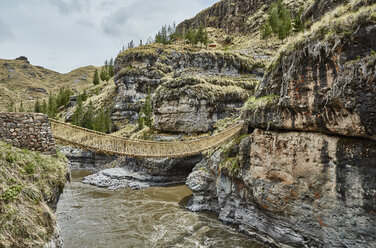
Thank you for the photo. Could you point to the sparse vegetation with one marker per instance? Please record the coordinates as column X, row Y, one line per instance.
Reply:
column 145, row 116
column 26, row 179
column 166, row 35
column 96, row 80
column 86, row 117
column 279, row 20
column 254, row 103
column 55, row 102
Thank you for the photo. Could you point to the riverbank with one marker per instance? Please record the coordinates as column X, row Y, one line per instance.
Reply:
column 155, row 217
column 30, row 187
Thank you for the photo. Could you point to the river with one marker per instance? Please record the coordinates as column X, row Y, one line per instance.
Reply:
column 154, row 217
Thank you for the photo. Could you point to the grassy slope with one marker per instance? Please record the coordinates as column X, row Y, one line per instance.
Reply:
column 16, row 76
column 26, row 180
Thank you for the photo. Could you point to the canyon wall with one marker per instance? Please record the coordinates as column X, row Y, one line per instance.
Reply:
column 304, row 175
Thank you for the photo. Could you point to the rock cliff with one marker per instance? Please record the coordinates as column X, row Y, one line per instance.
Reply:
column 304, row 175
column 235, row 16
column 191, row 88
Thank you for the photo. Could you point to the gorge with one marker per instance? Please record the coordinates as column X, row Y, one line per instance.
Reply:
column 300, row 173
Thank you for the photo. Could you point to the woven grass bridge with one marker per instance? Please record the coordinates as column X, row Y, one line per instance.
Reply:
column 114, row 145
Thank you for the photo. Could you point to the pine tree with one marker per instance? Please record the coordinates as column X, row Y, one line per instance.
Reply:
column 78, row 113
column 266, row 31
column 37, row 107
column 52, row 107
column 280, row 20
column 44, row 108
column 145, row 115
column 96, row 77
column 88, row 117
column 298, row 25
column 104, row 74
column 205, row 38
column 131, row 44
column 111, row 71
column 200, row 34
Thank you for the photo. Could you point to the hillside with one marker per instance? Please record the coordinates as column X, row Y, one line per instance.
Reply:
column 21, row 81
column 30, row 185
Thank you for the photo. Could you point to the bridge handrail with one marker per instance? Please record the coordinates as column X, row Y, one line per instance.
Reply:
column 111, row 144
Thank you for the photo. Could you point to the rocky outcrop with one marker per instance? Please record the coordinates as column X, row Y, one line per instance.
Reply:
column 235, row 16
column 305, row 175
column 229, row 15
column 194, row 104
column 325, row 86
column 143, row 173
column 57, row 240
column 298, row 189
column 79, row 159
column 179, row 75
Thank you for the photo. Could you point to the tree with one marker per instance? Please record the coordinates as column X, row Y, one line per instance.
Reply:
column 96, row 77
column 279, row 20
column 191, row 36
column 44, row 108
column 298, row 25
column 37, row 107
column 205, row 39
column 200, row 34
column 266, row 31
column 88, row 117
column 104, row 74
column 145, row 116
column 131, row 44
column 78, row 113
column 52, row 107
column 111, row 71
column 102, row 121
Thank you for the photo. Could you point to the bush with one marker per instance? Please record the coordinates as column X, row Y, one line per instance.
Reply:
column 145, row 116
column 30, row 168
column 11, row 193
column 10, row 158
column 228, row 40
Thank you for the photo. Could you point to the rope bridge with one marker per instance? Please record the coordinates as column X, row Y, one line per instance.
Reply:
column 115, row 145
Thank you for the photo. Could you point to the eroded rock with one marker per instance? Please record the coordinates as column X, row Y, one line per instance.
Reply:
column 299, row 189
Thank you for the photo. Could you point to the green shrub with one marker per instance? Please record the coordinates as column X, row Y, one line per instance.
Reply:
column 11, row 158
column 11, row 193
column 228, row 40
column 30, row 168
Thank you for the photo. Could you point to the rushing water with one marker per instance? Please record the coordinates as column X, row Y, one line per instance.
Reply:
column 94, row 217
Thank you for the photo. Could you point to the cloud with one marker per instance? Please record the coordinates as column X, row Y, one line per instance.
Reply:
column 65, row 34
column 68, row 7
column 145, row 17
column 5, row 33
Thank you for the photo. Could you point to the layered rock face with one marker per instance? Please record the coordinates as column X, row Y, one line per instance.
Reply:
column 229, row 15
column 194, row 104
column 305, row 176
column 324, row 86
column 237, row 16
column 191, row 89
column 143, row 173
column 298, row 189
column 80, row 159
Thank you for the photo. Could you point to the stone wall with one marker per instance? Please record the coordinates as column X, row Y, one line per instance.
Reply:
column 25, row 130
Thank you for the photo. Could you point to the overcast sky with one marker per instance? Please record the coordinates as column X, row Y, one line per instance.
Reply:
column 66, row 34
